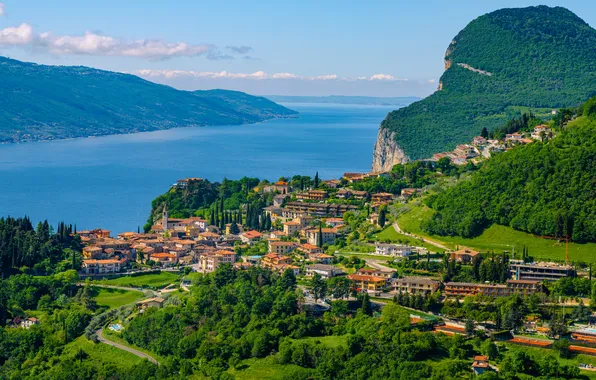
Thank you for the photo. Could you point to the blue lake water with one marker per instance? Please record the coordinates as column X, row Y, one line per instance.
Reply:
column 110, row 181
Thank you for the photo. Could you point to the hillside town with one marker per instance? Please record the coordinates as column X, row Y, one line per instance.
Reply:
column 483, row 148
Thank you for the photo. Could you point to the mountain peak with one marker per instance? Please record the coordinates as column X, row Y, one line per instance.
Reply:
column 535, row 57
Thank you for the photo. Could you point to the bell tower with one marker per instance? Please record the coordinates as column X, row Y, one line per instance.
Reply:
column 164, row 218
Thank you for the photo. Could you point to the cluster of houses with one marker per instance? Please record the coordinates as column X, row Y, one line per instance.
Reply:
column 482, row 147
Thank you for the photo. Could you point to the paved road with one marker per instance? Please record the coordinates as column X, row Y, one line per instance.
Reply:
column 138, row 353
column 376, row 264
column 431, row 242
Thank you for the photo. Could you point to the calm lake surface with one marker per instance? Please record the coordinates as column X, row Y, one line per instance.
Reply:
column 110, row 181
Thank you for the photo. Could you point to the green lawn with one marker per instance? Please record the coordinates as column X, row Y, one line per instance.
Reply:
column 263, row 369
column 498, row 238
column 330, row 341
column 366, row 256
column 389, row 234
column 155, row 280
column 114, row 298
column 99, row 352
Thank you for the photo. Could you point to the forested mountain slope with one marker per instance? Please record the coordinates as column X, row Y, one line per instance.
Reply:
column 545, row 189
column 536, row 57
column 40, row 102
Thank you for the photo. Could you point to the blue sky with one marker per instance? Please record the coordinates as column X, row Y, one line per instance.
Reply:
column 382, row 48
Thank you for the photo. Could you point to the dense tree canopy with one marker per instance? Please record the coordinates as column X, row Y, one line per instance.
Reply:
column 544, row 189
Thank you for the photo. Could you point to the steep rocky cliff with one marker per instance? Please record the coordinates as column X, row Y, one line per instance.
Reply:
column 387, row 153
column 526, row 58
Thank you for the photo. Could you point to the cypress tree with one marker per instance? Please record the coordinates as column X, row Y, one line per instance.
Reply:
column 320, row 237
column 316, row 182
column 240, row 216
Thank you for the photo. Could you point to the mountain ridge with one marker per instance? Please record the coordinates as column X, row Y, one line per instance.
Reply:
column 537, row 57
column 41, row 102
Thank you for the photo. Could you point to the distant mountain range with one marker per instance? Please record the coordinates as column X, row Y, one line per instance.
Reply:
column 338, row 99
column 502, row 63
column 40, row 102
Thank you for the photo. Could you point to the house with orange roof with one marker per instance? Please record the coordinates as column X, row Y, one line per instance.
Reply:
column 273, row 259
column 362, row 282
column 250, row 237
column 309, row 249
column 382, row 197
column 291, row 228
column 464, row 255
column 164, row 258
column 282, row 247
column 334, row 222
column 480, row 365
column 320, row 258
column 209, row 236
column 328, row 235
column 92, row 252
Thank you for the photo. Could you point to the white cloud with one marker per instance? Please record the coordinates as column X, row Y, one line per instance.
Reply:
column 284, row 76
column 432, row 81
column 327, row 77
column 169, row 74
column 96, row 44
column 227, row 75
column 19, row 35
column 1, row 9
column 100, row 45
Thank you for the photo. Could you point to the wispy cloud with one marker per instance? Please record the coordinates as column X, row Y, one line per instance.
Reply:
column 239, row 49
column 91, row 43
column 171, row 74
column 98, row 44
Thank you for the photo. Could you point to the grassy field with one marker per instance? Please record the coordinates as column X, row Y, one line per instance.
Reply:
column 114, row 298
column 389, row 234
column 366, row 256
column 330, row 341
column 499, row 238
column 263, row 369
column 99, row 352
column 155, row 280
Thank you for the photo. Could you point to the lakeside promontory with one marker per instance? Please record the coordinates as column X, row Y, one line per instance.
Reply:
column 39, row 102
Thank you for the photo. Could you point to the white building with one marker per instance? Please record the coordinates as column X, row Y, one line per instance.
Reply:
column 393, row 250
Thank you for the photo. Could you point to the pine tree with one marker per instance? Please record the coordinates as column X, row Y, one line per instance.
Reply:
column 484, row 132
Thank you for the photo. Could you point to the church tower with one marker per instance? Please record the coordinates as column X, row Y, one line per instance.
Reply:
column 164, row 218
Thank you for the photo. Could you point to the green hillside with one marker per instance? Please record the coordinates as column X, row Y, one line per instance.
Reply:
column 544, row 189
column 537, row 57
column 40, row 102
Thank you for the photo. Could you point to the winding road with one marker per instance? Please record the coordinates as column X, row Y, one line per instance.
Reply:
column 428, row 241
column 138, row 353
